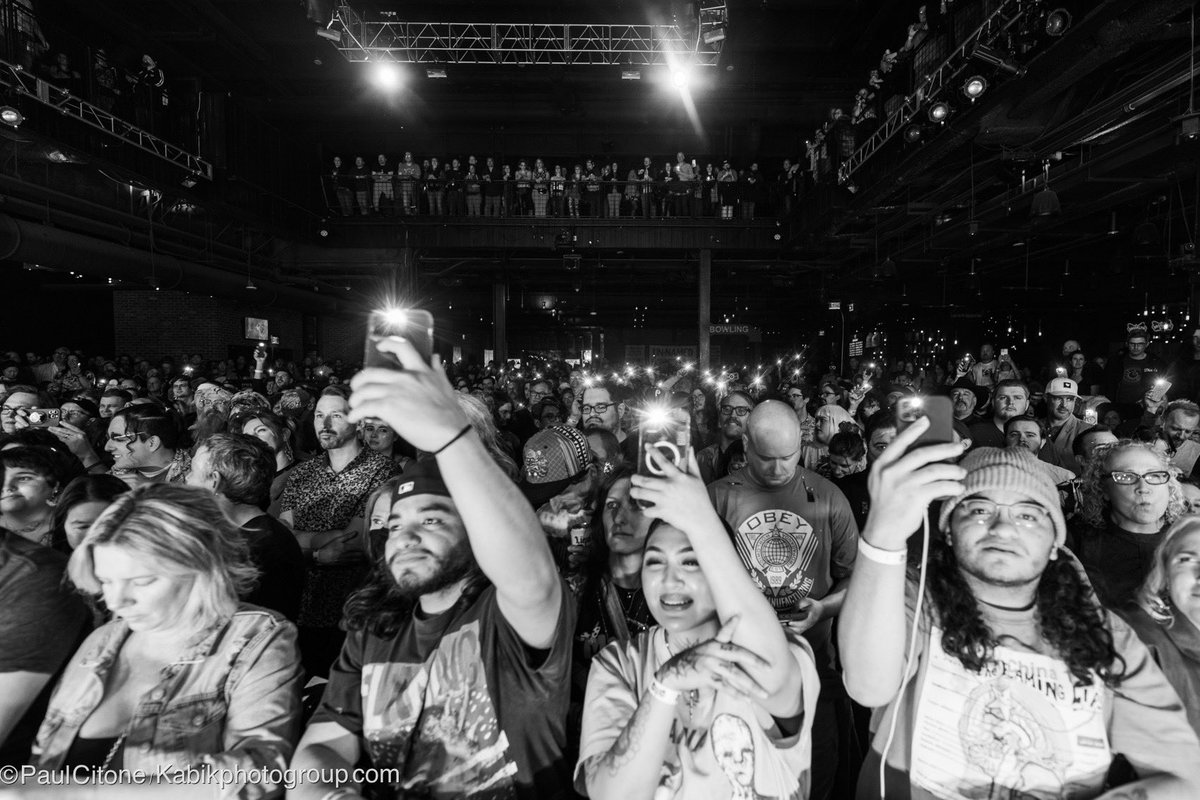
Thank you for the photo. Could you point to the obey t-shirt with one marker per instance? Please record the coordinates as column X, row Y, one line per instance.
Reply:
column 796, row 540
column 459, row 704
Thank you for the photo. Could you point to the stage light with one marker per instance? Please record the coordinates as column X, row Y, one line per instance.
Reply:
column 330, row 34
column 913, row 134
column 940, row 111
column 11, row 116
column 631, row 74
column 714, row 36
column 974, row 87
column 386, row 76
column 1057, row 22
column 435, row 72
column 681, row 77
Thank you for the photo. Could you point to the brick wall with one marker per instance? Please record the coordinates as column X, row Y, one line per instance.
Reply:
column 157, row 323
column 342, row 338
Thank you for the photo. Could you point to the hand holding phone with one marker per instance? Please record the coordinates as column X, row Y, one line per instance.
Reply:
column 1158, row 391
column 939, row 410
column 411, row 324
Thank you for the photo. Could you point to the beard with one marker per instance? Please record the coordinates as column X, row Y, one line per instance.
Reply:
column 336, row 441
column 456, row 564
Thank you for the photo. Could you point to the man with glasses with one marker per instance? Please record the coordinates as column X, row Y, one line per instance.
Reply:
column 732, row 415
column 1133, row 373
column 144, row 442
column 1008, row 637
column 1180, row 421
column 524, row 423
column 796, row 536
column 600, row 409
column 14, row 413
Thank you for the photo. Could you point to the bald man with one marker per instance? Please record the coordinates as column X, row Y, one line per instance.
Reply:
column 797, row 537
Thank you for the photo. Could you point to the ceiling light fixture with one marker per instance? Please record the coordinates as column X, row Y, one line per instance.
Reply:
column 940, row 111
column 974, row 87
column 998, row 60
column 1057, row 22
column 330, row 34
column 913, row 134
column 631, row 74
column 435, row 72
column 1045, row 202
column 11, row 116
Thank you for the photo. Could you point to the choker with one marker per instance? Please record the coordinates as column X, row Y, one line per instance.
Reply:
column 1029, row 607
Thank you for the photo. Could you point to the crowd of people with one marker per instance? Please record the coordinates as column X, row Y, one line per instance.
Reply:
column 550, row 581
column 565, row 188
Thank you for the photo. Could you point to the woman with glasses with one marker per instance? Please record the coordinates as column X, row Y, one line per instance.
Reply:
column 1128, row 496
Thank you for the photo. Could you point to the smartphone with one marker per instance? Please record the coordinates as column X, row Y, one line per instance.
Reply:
column 941, row 418
column 1090, row 416
column 413, row 324
column 43, row 417
column 1004, row 353
column 1060, row 372
column 1160, row 389
column 668, row 430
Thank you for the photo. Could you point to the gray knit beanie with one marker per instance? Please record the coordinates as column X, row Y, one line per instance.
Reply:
column 1015, row 469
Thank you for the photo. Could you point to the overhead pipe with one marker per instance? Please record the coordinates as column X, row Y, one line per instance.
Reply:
column 40, row 244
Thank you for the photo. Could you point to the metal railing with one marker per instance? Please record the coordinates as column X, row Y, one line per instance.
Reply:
column 36, row 89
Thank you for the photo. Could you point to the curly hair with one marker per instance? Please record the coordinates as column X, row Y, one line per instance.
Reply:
column 1070, row 618
column 382, row 609
column 1093, row 499
column 1154, row 595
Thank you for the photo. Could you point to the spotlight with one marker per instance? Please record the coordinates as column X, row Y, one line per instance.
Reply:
column 631, row 74
column 188, row 182
column 681, row 77
column 323, row 229
column 1057, row 22
column 11, row 116
column 435, row 72
column 250, row 287
column 714, row 36
column 386, row 76
column 974, row 87
column 913, row 134
column 940, row 111
column 1000, row 61
column 330, row 34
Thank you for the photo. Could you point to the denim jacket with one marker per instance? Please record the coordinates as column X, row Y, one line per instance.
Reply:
column 231, row 702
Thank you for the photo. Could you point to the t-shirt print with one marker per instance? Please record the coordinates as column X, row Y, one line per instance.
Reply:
column 778, row 546
column 1020, row 728
column 437, row 721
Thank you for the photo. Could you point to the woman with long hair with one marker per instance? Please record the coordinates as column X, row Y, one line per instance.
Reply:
column 79, row 504
column 183, row 677
column 276, row 433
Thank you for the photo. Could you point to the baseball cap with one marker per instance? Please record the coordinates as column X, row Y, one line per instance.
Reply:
column 1063, row 387
column 555, row 457
column 424, row 477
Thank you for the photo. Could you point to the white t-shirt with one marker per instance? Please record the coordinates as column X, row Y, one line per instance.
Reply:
column 722, row 748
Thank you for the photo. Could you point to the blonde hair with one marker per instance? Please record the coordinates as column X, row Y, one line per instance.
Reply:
column 1154, row 595
column 485, row 426
column 1093, row 499
column 183, row 530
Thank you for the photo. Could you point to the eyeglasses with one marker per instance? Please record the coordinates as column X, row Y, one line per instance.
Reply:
column 124, row 438
column 1155, row 478
column 828, row 393
column 737, row 411
column 599, row 408
column 980, row 511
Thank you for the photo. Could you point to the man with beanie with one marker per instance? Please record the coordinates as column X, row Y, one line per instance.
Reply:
column 455, row 672
column 1016, row 682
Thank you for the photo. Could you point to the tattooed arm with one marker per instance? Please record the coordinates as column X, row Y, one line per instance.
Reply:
column 631, row 768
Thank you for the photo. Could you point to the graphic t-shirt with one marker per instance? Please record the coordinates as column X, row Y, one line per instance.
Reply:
column 1021, row 727
column 1132, row 378
column 721, row 747
column 459, row 704
column 796, row 540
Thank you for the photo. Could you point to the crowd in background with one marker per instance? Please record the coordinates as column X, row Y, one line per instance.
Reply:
column 480, row 576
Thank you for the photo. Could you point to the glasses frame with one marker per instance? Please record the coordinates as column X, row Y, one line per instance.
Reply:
column 1139, row 477
column 1048, row 519
column 598, row 408
column 741, row 412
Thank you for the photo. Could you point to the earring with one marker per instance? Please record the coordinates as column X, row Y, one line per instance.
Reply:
column 1054, row 554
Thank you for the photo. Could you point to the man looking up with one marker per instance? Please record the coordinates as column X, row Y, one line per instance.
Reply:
column 732, row 415
column 1009, row 399
column 456, row 669
column 796, row 536
column 324, row 503
column 1009, row 635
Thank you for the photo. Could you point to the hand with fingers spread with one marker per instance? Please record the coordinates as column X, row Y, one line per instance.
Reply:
column 904, row 483
column 716, row 664
column 76, row 441
column 417, row 401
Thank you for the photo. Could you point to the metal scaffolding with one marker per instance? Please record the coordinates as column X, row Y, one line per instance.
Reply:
column 1006, row 15
column 26, row 84
column 387, row 39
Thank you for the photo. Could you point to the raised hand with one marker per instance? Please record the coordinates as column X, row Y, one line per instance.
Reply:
column 716, row 664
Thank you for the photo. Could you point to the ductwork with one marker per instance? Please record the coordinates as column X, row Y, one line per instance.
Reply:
column 23, row 241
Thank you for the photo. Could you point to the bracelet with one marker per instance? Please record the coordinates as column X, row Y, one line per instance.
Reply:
column 662, row 693
column 889, row 558
column 466, row 429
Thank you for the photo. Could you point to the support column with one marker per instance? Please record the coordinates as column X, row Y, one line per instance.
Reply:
column 404, row 277
column 500, row 321
column 705, row 309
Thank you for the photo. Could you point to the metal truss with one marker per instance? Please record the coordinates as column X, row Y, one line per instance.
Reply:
column 387, row 39
column 26, row 84
column 1006, row 15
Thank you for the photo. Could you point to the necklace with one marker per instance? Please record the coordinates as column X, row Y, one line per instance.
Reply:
column 1029, row 607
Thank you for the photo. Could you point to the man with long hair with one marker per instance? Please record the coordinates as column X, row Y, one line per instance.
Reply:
column 455, row 671
column 1015, row 681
